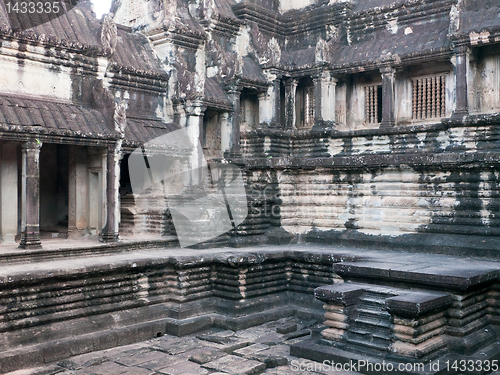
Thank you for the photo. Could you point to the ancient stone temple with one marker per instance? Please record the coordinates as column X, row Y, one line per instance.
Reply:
column 359, row 129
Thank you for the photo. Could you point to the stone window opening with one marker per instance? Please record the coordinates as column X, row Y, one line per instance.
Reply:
column 429, row 97
column 211, row 136
column 249, row 110
column 373, row 104
column 305, row 103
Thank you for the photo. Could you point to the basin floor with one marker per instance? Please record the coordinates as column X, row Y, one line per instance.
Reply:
column 257, row 350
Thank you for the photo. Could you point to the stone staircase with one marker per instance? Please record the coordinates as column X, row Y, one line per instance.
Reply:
column 374, row 323
column 370, row 327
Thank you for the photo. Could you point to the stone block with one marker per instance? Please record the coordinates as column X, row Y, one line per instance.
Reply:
column 416, row 304
column 108, row 368
column 235, row 365
column 271, row 360
column 183, row 368
column 292, row 327
column 140, row 358
column 204, row 355
column 249, row 350
column 339, row 293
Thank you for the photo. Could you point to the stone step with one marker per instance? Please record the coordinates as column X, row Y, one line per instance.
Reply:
column 377, row 345
column 361, row 322
column 371, row 314
column 363, row 333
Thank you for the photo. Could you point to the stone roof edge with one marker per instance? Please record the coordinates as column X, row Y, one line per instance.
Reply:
column 33, row 38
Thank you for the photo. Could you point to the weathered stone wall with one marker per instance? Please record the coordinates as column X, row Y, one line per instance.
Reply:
column 380, row 183
column 99, row 303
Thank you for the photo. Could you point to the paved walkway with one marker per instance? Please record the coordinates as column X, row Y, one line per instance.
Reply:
column 258, row 350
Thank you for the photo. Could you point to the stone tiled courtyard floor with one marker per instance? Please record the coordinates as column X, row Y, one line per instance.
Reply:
column 262, row 349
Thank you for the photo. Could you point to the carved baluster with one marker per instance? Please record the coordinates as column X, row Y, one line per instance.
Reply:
column 424, row 98
column 375, row 103
column 414, row 102
column 374, row 113
column 367, row 103
column 419, row 98
column 438, row 97
column 443, row 96
column 429, row 100
column 433, row 114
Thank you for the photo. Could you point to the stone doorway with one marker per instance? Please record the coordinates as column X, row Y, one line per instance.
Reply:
column 54, row 192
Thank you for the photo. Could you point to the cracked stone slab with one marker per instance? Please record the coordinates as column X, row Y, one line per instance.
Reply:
column 162, row 362
column 137, row 371
column 141, row 358
column 249, row 350
column 295, row 335
column 184, row 368
column 180, row 346
column 235, row 365
column 234, row 344
column 287, row 328
column 286, row 370
column 107, row 368
column 204, row 355
column 49, row 370
column 270, row 360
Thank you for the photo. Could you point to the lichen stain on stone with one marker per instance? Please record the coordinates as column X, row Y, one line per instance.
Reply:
column 476, row 38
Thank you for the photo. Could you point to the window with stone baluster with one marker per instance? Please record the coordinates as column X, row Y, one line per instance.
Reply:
column 373, row 104
column 305, row 104
column 429, row 97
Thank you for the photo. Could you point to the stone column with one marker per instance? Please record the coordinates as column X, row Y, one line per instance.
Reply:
column 324, row 92
column 328, row 99
column 194, row 132
column 77, row 191
column 318, row 100
column 225, row 128
column 30, row 197
column 276, row 121
column 8, row 191
column 235, row 95
column 266, row 109
column 290, row 91
column 110, row 230
column 388, row 75
column 461, row 90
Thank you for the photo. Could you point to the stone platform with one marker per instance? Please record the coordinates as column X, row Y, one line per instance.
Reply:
column 99, row 298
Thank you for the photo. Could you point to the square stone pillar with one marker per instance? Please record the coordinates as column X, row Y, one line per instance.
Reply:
column 461, row 90
column 276, row 120
column 235, row 97
column 8, row 192
column 324, row 99
column 194, row 132
column 388, row 76
column 77, row 191
column 266, row 109
column 270, row 101
column 225, row 132
column 110, row 230
column 30, row 196
column 290, row 92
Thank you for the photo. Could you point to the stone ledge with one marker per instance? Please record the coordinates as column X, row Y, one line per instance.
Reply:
column 312, row 350
column 415, row 304
column 448, row 277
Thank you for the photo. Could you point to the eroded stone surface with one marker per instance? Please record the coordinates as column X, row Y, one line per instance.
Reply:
column 146, row 358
